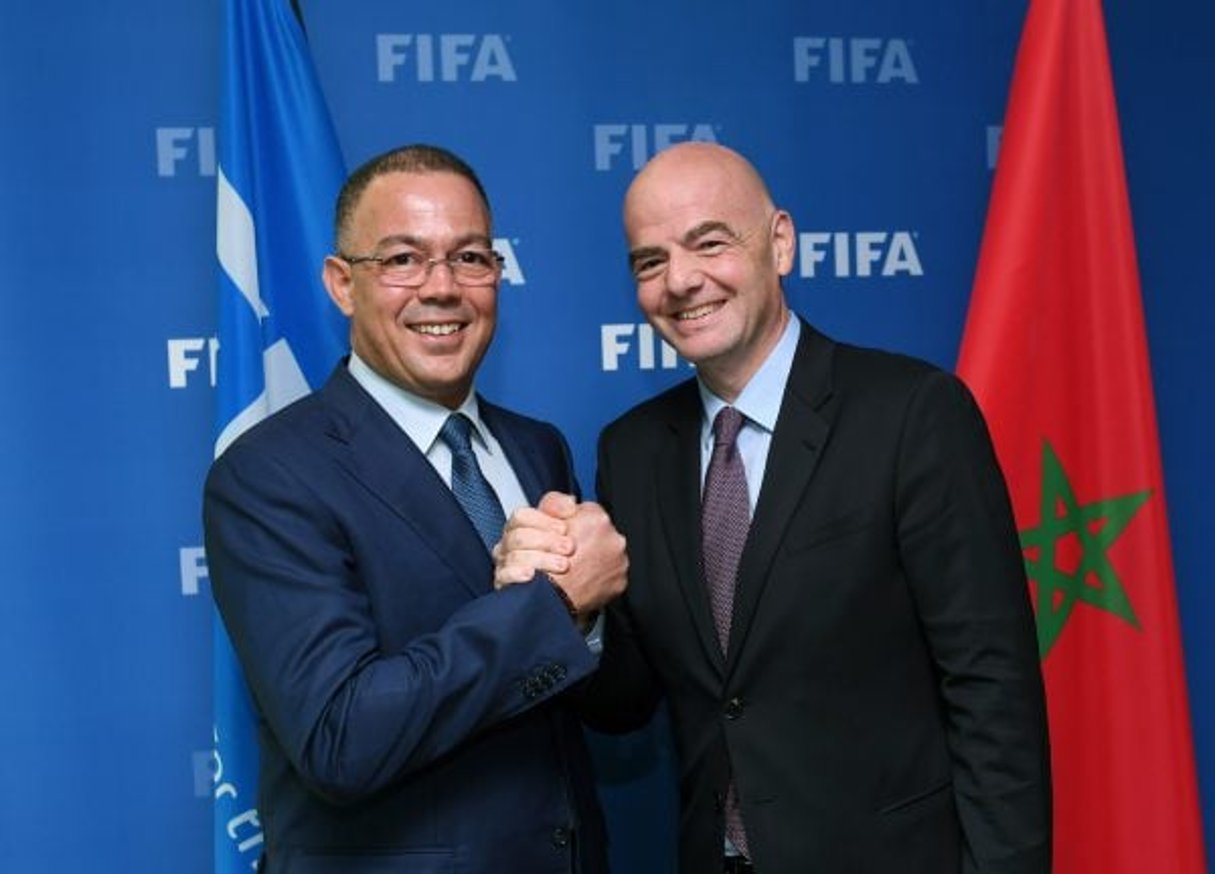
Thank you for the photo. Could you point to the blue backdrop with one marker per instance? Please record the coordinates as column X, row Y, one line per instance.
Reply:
column 876, row 123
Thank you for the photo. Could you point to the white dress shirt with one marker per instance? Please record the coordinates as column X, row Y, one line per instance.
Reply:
column 421, row 420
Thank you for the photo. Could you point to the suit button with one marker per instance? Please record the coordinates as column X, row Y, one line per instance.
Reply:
column 733, row 708
column 561, row 837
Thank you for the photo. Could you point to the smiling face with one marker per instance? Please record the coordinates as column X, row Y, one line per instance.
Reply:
column 708, row 250
column 428, row 340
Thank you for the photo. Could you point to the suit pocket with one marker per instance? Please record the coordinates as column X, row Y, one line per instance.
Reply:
column 852, row 521
column 919, row 833
column 926, row 798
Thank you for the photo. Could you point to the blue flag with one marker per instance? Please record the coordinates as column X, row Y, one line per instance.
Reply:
column 280, row 169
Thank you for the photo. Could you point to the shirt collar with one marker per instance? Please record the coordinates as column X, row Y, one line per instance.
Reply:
column 419, row 418
column 761, row 397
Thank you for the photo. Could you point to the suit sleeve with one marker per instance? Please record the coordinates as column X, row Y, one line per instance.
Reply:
column 624, row 693
column 351, row 716
column 959, row 546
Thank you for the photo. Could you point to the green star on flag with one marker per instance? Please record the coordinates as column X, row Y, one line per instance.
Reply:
column 1067, row 554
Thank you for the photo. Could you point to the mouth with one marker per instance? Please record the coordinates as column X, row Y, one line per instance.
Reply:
column 437, row 329
column 700, row 312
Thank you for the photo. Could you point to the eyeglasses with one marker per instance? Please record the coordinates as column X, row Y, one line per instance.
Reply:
column 411, row 269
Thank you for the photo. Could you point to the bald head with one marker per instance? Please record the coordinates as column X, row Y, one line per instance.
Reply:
column 695, row 173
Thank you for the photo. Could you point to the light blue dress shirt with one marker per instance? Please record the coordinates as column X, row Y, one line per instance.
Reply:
column 759, row 402
column 422, row 420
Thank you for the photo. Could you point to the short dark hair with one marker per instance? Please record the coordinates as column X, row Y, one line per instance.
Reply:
column 414, row 158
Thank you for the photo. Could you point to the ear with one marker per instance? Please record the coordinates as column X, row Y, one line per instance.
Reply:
column 784, row 241
column 339, row 282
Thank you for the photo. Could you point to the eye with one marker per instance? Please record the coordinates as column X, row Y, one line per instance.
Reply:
column 474, row 258
column 648, row 268
column 401, row 259
column 712, row 245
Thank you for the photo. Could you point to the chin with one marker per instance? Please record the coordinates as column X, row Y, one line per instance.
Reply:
column 698, row 349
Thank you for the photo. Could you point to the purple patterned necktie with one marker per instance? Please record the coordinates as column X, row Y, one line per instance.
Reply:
column 725, row 517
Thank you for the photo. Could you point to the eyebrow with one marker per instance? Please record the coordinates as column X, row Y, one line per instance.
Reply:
column 688, row 239
column 708, row 227
column 420, row 243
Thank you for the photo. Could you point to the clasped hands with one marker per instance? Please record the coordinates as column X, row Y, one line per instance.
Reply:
column 575, row 544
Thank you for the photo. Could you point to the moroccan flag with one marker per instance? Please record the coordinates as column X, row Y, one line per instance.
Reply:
column 280, row 169
column 1055, row 351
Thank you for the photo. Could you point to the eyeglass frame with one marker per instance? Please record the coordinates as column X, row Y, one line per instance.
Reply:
column 428, row 264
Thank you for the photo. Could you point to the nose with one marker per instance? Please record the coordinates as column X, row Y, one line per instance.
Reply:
column 683, row 274
column 440, row 282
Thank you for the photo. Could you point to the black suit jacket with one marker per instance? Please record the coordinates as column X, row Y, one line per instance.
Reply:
column 411, row 720
column 881, row 705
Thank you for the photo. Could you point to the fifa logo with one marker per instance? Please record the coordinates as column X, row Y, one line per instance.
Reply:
column 188, row 355
column 512, row 271
column 853, row 60
column 641, row 141
column 192, row 561
column 844, row 254
column 443, row 57
column 995, row 133
column 185, row 149
column 637, row 343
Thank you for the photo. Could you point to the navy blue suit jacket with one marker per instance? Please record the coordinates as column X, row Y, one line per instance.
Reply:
column 411, row 719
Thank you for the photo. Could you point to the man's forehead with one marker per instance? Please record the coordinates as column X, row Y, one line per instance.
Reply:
column 456, row 240
column 684, row 221
column 690, row 201
column 398, row 183
column 411, row 197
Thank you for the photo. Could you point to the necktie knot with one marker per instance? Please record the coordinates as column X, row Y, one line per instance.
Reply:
column 457, row 434
column 726, row 426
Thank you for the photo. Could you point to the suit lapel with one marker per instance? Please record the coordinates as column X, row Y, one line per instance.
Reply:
column 678, row 485
column 388, row 464
column 802, row 430
column 535, row 472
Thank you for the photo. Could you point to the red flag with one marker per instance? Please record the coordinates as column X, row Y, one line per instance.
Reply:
column 1055, row 351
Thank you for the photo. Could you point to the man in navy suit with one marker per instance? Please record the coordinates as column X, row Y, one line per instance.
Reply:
column 411, row 718
column 825, row 580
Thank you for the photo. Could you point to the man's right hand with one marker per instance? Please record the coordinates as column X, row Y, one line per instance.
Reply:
column 575, row 544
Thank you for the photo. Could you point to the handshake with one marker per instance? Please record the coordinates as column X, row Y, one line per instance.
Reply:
column 574, row 544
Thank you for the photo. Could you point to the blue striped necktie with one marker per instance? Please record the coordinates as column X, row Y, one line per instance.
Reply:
column 474, row 493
